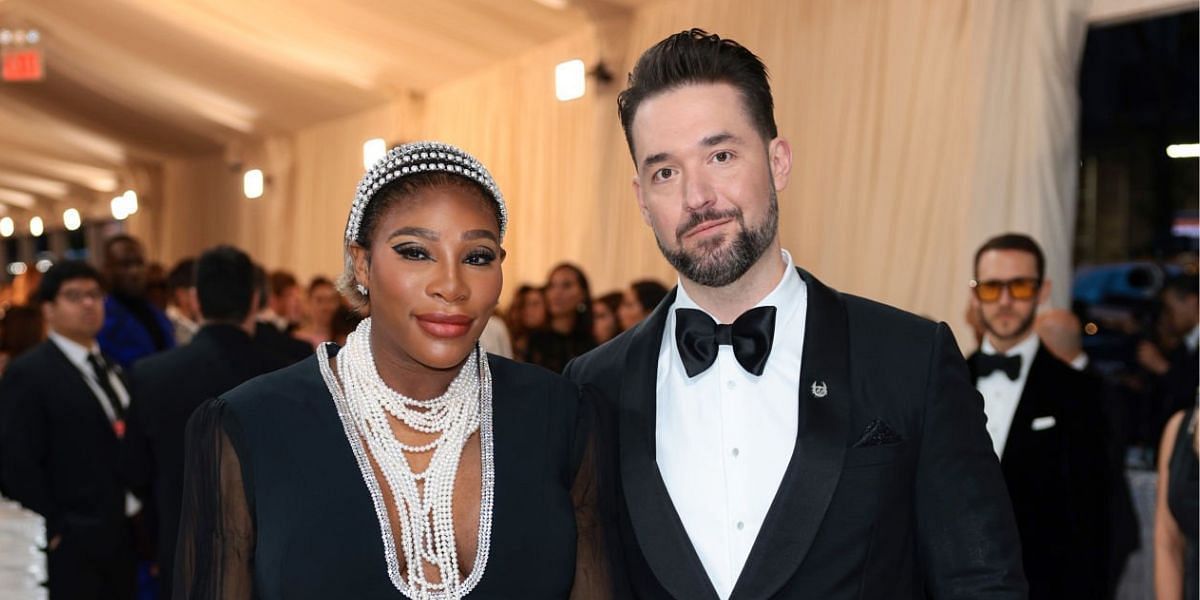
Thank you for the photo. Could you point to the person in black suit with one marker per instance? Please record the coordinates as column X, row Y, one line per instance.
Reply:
column 1047, row 425
column 761, row 435
column 1175, row 376
column 64, row 405
column 268, row 336
column 168, row 387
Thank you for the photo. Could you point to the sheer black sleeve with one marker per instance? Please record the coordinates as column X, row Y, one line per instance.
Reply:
column 214, row 555
column 592, row 554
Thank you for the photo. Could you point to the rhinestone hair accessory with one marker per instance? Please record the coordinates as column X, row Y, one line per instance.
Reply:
column 420, row 157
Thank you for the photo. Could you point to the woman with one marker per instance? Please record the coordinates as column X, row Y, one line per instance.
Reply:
column 526, row 315
column 323, row 304
column 639, row 301
column 569, row 304
column 407, row 463
column 1176, row 518
column 605, row 325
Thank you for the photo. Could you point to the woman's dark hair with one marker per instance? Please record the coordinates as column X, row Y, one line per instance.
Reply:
column 649, row 293
column 583, row 316
column 388, row 196
column 516, row 326
column 696, row 57
column 613, row 301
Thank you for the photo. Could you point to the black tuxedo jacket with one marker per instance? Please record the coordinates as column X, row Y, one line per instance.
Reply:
column 167, row 388
column 922, row 515
column 1062, row 480
column 60, row 455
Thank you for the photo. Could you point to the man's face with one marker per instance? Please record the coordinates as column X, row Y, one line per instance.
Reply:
column 1007, row 318
column 125, row 266
column 77, row 312
column 707, row 181
column 1182, row 310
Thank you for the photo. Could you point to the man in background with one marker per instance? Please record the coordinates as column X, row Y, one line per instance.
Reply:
column 133, row 327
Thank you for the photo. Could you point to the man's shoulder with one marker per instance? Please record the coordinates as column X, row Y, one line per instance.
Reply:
column 887, row 325
column 34, row 360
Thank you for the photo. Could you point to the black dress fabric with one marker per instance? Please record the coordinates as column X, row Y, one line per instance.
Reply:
column 553, row 350
column 275, row 505
column 1183, row 498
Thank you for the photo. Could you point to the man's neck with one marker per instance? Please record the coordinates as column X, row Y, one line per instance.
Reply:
column 248, row 325
column 87, row 342
column 729, row 302
column 1003, row 346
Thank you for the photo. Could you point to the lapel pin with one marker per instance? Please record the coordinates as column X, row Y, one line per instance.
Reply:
column 819, row 389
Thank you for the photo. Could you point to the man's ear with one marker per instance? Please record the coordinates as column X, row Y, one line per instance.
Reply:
column 779, row 152
column 1044, row 292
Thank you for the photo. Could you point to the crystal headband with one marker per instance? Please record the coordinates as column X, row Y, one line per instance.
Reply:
column 420, row 157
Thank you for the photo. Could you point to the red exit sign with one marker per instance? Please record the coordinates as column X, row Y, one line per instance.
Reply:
column 23, row 65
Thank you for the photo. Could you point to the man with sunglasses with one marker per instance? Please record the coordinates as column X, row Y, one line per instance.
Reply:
column 1047, row 427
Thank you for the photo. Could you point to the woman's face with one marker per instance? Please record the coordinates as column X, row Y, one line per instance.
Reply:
column 564, row 294
column 323, row 301
column 604, row 322
column 630, row 312
column 533, row 310
column 434, row 275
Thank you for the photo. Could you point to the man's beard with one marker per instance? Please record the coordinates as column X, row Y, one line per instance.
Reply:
column 1023, row 328
column 715, row 266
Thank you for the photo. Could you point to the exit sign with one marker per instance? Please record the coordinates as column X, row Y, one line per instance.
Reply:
column 23, row 65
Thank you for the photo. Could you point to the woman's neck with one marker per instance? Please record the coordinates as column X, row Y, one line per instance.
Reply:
column 407, row 376
column 563, row 324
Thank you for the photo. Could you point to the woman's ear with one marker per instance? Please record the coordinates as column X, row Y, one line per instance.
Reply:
column 361, row 258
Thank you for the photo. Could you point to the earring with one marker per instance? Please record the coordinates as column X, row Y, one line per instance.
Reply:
column 362, row 289
column 581, row 308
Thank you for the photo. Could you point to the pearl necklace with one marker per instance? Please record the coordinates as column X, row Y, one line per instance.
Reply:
column 364, row 403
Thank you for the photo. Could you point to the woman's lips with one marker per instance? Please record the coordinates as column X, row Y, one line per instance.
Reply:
column 444, row 325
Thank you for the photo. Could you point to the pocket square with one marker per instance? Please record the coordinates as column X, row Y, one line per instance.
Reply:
column 877, row 433
column 1043, row 423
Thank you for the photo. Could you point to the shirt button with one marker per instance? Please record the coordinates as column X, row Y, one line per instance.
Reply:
column 741, row 525
column 736, row 452
column 730, row 384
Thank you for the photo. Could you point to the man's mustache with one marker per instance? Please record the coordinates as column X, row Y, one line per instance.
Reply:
column 699, row 218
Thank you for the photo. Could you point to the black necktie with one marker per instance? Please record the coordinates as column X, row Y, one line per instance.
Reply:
column 100, row 368
column 698, row 338
column 990, row 363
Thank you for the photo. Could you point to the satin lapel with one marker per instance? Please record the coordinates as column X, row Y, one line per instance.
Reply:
column 816, row 466
column 659, row 531
column 1031, row 406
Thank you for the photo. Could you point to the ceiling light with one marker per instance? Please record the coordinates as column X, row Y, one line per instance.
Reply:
column 1183, row 150
column 373, row 150
column 43, row 265
column 118, row 208
column 7, row 227
column 71, row 219
column 35, row 227
column 131, row 203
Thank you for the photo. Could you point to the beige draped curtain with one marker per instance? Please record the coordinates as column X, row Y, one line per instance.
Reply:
column 919, row 128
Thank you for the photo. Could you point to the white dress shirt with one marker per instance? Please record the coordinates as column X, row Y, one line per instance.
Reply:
column 1001, row 394
column 724, row 437
column 1192, row 339
column 78, row 355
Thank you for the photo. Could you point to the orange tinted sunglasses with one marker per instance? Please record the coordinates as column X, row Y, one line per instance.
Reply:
column 1021, row 288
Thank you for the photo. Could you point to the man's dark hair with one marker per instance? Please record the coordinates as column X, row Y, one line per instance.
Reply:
column 280, row 281
column 60, row 273
column 1014, row 241
column 224, row 284
column 117, row 239
column 649, row 293
column 693, row 57
column 183, row 275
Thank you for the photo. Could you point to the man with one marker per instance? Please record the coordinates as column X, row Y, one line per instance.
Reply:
column 168, row 387
column 1047, row 425
column 284, row 302
column 1178, row 374
column 271, row 332
column 133, row 327
column 820, row 446
column 182, row 309
column 65, row 405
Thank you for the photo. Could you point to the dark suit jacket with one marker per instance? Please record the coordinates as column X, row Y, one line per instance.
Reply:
column 1061, row 481
column 60, row 455
column 167, row 388
column 926, row 516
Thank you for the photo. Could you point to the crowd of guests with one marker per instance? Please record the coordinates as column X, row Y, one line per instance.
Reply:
column 107, row 476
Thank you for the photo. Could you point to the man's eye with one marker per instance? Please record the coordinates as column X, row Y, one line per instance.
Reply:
column 723, row 156
column 664, row 174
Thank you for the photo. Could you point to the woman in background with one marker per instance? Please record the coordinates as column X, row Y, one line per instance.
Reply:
column 1176, row 518
column 323, row 303
column 569, row 302
column 526, row 314
column 640, row 300
column 605, row 325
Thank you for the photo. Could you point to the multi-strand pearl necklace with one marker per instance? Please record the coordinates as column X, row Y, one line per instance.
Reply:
column 425, row 513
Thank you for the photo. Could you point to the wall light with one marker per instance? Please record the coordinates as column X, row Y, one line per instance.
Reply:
column 118, row 208
column 43, row 265
column 71, row 219
column 36, row 228
column 252, row 183
column 570, row 80
column 17, row 268
column 373, row 150
column 7, row 227
column 131, row 203
column 1183, row 150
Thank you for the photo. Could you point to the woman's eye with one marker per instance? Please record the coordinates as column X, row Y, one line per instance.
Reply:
column 481, row 257
column 411, row 252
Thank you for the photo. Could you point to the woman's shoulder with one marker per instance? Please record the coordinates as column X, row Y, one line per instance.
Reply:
column 278, row 391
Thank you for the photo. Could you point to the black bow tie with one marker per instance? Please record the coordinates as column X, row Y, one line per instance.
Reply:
column 990, row 363
column 698, row 338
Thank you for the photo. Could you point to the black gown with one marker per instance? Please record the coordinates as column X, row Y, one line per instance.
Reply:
column 1183, row 498
column 275, row 505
